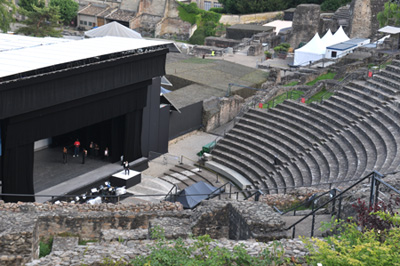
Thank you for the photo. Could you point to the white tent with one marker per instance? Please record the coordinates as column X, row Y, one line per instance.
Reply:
column 340, row 36
column 314, row 50
column 113, row 29
column 328, row 38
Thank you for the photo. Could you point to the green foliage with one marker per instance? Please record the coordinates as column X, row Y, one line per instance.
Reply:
column 293, row 95
column 283, row 47
column 219, row 10
column 203, row 251
column 268, row 54
column 390, row 14
column 207, row 21
column 198, row 36
column 333, row 5
column 41, row 22
column 319, row 96
column 186, row 15
column 68, row 9
column 45, row 247
column 29, row 4
column 355, row 247
column 329, row 75
column 7, row 10
column 253, row 6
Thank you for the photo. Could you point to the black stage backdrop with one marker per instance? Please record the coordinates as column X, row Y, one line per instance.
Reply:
column 124, row 106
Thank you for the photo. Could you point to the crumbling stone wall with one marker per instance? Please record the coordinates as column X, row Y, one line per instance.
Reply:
column 364, row 23
column 23, row 224
column 221, row 42
column 255, row 49
column 219, row 111
column 305, row 24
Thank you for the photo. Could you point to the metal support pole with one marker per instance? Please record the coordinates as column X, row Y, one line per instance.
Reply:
column 339, row 208
column 230, row 190
column 181, row 162
column 376, row 193
column 293, row 232
column 313, row 220
column 371, row 196
column 217, row 179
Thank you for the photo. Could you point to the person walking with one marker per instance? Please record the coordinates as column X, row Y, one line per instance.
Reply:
column 77, row 144
column 65, row 155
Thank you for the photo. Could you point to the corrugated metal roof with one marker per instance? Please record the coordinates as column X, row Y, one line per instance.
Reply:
column 30, row 57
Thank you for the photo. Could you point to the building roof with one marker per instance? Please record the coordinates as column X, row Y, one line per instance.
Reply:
column 121, row 15
column 14, row 42
column 342, row 46
column 357, row 40
column 34, row 57
column 390, row 30
column 93, row 10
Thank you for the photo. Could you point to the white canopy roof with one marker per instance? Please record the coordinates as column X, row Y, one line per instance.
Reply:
column 113, row 29
column 328, row 38
column 312, row 51
column 37, row 57
column 340, row 36
column 390, row 30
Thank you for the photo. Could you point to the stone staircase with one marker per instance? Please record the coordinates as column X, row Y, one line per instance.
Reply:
column 347, row 136
column 181, row 176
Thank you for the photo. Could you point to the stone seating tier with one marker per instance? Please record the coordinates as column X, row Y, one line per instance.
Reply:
column 345, row 137
column 288, row 169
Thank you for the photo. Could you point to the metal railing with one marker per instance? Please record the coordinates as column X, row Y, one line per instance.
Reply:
column 374, row 177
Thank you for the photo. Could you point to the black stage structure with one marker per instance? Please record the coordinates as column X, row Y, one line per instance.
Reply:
column 119, row 91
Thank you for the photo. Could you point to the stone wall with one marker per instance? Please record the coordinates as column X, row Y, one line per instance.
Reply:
column 22, row 225
column 221, row 42
column 249, row 18
column 219, row 111
column 255, row 49
column 305, row 24
column 364, row 23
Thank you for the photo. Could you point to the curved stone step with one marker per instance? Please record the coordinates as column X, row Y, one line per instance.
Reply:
column 233, row 176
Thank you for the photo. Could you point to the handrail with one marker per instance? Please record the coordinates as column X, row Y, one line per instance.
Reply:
column 376, row 176
column 307, row 201
column 170, row 191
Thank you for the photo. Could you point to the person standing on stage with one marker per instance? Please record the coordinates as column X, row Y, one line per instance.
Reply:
column 77, row 144
column 84, row 155
column 126, row 167
column 65, row 155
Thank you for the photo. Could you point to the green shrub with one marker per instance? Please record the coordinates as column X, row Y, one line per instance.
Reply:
column 45, row 247
column 203, row 252
column 198, row 36
column 355, row 247
column 219, row 10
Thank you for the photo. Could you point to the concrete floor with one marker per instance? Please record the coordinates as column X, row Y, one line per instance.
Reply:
column 49, row 169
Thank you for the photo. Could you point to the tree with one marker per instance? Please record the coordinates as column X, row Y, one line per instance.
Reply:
column 7, row 10
column 41, row 22
column 390, row 14
column 68, row 9
column 29, row 4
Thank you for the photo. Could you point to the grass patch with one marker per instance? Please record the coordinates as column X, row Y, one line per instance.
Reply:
column 196, row 60
column 45, row 247
column 330, row 75
column 292, row 95
column 321, row 95
column 293, row 83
